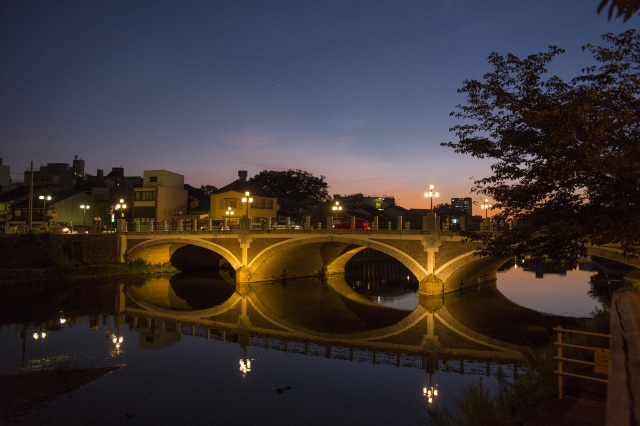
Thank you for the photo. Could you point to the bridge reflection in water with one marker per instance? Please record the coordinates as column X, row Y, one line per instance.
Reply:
column 476, row 332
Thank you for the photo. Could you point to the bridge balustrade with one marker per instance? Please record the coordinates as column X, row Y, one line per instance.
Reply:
column 203, row 227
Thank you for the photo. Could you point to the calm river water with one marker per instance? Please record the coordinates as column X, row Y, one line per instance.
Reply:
column 308, row 352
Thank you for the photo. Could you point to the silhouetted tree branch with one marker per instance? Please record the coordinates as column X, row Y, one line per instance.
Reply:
column 620, row 8
column 567, row 170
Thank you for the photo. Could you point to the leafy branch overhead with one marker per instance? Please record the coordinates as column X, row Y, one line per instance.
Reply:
column 620, row 8
column 567, row 153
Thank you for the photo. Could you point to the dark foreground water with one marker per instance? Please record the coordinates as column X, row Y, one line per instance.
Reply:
column 302, row 352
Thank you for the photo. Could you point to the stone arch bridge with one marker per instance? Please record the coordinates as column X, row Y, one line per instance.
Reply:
column 435, row 259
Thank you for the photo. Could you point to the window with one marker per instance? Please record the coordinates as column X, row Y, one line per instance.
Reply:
column 229, row 202
column 145, row 195
column 153, row 178
column 262, row 203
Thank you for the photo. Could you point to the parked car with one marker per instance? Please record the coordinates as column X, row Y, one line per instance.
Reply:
column 360, row 224
column 283, row 225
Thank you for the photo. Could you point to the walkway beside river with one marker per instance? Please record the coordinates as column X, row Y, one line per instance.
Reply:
column 586, row 408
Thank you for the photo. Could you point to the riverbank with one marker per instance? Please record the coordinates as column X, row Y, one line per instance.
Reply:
column 81, row 272
column 586, row 407
column 22, row 392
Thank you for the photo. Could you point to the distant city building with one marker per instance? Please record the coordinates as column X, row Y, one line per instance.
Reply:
column 464, row 205
column 379, row 202
column 161, row 196
column 5, row 177
column 63, row 176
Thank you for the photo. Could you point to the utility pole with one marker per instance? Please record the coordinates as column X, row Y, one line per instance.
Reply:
column 30, row 218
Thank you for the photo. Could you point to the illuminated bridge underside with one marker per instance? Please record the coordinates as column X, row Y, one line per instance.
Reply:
column 261, row 257
column 268, row 257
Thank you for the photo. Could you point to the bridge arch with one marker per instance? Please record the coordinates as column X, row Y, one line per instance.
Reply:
column 334, row 260
column 613, row 253
column 160, row 250
column 448, row 268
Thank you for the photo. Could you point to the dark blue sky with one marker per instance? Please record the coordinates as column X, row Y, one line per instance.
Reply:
column 357, row 91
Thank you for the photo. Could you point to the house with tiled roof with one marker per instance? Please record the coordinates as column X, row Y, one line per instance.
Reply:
column 226, row 203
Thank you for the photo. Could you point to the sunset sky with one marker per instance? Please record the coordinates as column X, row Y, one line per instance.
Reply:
column 357, row 91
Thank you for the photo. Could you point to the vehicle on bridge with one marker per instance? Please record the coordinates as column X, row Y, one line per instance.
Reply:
column 283, row 225
column 360, row 224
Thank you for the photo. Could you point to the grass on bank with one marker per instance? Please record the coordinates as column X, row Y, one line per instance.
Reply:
column 64, row 268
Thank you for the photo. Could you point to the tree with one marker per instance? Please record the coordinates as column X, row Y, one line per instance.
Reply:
column 568, row 153
column 618, row 8
column 293, row 184
column 208, row 189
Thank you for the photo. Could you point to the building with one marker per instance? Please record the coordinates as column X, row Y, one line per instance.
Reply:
column 48, row 209
column 226, row 202
column 108, row 190
column 161, row 196
column 5, row 177
column 379, row 202
column 62, row 176
column 9, row 210
column 72, row 210
column 464, row 205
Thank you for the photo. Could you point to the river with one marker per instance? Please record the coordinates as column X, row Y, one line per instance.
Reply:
column 357, row 349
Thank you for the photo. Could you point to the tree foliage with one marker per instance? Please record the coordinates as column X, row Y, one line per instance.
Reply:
column 293, row 184
column 620, row 8
column 567, row 170
column 208, row 189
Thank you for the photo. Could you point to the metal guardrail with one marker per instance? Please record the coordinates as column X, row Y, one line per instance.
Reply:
column 600, row 361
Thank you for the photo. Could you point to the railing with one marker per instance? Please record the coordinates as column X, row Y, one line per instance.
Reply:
column 175, row 227
column 600, row 361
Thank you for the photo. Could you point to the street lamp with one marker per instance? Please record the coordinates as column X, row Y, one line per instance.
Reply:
column 247, row 199
column 337, row 207
column 84, row 213
column 121, row 206
column 44, row 199
column 430, row 194
column 486, row 206
column 228, row 213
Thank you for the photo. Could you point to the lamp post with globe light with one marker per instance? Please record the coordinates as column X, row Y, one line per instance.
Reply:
column 486, row 206
column 431, row 194
column 229, row 213
column 248, row 200
column 122, row 207
column 335, row 209
column 84, row 208
column 44, row 199
column 430, row 220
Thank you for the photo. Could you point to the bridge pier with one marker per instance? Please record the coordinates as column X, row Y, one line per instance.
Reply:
column 431, row 286
column 243, row 276
column 431, row 245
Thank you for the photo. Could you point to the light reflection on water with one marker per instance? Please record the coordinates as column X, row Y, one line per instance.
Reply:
column 195, row 380
column 556, row 294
